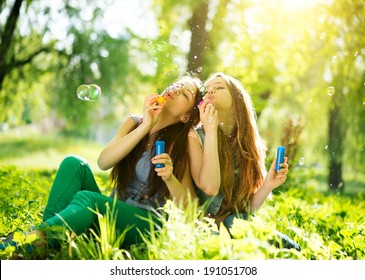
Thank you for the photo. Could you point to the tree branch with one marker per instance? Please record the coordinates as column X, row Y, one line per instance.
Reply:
column 20, row 63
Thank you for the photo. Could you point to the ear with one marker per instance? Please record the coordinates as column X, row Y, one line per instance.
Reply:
column 184, row 118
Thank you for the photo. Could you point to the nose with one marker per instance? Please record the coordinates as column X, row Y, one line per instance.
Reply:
column 209, row 91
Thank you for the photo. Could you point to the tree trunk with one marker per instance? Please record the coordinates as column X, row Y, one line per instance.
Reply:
column 6, row 38
column 335, row 150
column 199, row 37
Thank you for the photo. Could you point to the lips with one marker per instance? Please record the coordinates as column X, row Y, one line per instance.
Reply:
column 169, row 95
column 209, row 98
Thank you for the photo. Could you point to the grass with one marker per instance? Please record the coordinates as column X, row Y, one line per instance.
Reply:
column 326, row 225
column 35, row 151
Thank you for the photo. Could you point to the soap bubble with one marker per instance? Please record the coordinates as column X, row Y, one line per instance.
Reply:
column 160, row 46
column 82, row 91
column 148, row 44
column 90, row 92
column 331, row 91
column 95, row 92
column 301, row 161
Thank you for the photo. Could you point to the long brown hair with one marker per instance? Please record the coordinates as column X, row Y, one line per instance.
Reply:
column 249, row 148
column 175, row 137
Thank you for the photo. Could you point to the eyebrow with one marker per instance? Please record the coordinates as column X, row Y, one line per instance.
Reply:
column 219, row 83
column 191, row 94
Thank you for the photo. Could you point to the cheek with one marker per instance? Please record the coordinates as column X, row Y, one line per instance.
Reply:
column 228, row 100
column 179, row 108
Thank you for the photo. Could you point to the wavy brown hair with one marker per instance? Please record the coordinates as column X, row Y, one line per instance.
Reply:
column 175, row 137
column 246, row 145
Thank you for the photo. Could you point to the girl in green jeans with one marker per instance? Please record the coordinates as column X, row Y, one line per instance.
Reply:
column 139, row 188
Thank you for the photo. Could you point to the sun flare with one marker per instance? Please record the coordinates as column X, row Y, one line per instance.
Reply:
column 296, row 4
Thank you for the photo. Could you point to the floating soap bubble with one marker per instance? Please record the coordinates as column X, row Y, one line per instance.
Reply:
column 175, row 64
column 90, row 92
column 301, row 161
column 199, row 69
column 148, row 44
column 82, row 91
column 160, row 46
column 331, row 91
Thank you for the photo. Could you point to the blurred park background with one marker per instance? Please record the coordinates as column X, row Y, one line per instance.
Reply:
column 302, row 62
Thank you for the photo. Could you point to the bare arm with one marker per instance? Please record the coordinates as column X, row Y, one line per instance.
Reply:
column 272, row 181
column 123, row 142
column 204, row 165
column 181, row 192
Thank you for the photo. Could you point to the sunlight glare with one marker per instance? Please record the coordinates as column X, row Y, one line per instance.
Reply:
column 292, row 5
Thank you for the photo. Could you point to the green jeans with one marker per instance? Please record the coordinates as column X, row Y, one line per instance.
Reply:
column 74, row 192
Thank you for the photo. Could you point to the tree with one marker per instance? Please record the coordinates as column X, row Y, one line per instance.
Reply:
column 36, row 65
column 7, row 33
column 8, row 59
column 199, row 37
column 346, row 111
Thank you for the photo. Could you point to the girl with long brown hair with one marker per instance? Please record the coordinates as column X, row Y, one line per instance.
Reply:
column 140, row 186
column 230, row 170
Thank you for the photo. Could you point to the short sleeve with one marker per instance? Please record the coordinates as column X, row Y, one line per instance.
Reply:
column 135, row 118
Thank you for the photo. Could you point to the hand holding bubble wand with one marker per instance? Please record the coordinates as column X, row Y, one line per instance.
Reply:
column 160, row 149
column 280, row 154
column 160, row 98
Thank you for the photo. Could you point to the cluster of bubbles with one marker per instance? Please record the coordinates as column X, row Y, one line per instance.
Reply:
column 88, row 92
column 161, row 46
column 158, row 47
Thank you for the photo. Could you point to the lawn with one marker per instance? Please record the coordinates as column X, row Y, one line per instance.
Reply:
column 326, row 225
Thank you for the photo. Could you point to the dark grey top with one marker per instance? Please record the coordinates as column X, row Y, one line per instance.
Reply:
column 137, row 189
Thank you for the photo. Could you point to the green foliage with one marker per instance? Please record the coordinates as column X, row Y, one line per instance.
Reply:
column 101, row 244
column 327, row 226
column 23, row 197
column 286, row 57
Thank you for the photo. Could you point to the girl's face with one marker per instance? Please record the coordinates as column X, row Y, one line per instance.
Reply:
column 218, row 94
column 180, row 97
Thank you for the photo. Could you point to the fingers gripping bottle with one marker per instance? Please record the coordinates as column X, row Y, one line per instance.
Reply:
column 280, row 154
column 160, row 149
